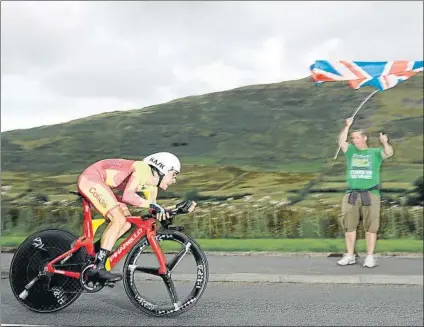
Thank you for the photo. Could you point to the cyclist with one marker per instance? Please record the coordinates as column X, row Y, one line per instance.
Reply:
column 100, row 179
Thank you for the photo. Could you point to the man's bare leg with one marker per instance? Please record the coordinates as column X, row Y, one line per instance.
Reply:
column 350, row 238
column 371, row 241
column 349, row 259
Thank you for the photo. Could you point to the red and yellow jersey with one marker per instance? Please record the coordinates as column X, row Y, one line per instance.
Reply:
column 129, row 176
column 116, row 172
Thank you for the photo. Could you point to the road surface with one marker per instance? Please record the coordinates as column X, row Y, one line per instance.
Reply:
column 242, row 304
column 293, row 266
column 325, row 295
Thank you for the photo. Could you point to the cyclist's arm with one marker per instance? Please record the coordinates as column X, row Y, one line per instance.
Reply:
column 139, row 177
column 122, row 203
column 130, row 195
column 151, row 193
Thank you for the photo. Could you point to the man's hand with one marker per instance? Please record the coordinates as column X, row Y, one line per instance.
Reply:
column 383, row 138
column 161, row 214
column 349, row 122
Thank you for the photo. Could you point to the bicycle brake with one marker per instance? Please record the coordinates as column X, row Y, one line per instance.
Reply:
column 177, row 228
column 184, row 206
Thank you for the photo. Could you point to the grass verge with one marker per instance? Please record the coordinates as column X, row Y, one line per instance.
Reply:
column 281, row 245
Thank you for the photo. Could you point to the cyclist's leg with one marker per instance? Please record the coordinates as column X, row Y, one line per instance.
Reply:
column 127, row 213
column 104, row 200
column 125, row 209
column 123, row 230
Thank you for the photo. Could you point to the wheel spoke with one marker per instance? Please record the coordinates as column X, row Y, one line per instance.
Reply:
column 147, row 270
column 173, row 263
column 171, row 290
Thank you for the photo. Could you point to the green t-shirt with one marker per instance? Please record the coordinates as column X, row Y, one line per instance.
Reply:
column 363, row 168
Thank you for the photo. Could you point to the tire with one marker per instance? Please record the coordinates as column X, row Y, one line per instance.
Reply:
column 195, row 294
column 33, row 253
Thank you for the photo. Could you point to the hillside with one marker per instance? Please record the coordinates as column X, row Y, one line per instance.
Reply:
column 290, row 124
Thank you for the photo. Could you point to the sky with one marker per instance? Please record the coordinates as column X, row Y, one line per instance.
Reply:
column 62, row 61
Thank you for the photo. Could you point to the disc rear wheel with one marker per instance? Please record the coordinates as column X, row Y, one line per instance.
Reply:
column 40, row 291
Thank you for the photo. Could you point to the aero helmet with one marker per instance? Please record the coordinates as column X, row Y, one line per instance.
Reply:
column 163, row 162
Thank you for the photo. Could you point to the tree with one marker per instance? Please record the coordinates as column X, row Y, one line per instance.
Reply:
column 417, row 196
column 419, row 187
column 41, row 197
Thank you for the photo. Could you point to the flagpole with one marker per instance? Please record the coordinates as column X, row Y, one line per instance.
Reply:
column 353, row 116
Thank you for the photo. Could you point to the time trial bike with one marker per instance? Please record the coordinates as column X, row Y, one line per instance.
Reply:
column 51, row 268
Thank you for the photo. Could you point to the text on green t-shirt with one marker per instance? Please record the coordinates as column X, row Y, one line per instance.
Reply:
column 363, row 167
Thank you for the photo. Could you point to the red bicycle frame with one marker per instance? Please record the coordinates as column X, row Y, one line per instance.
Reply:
column 143, row 227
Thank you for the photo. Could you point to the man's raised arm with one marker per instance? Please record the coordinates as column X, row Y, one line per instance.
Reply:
column 387, row 148
column 343, row 135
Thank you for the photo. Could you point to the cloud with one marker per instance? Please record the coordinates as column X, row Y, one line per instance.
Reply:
column 64, row 60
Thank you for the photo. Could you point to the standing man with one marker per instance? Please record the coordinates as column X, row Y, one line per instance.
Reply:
column 363, row 195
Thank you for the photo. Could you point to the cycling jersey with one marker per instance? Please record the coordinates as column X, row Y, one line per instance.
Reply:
column 100, row 179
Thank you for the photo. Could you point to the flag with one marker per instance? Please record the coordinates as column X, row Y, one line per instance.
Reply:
column 381, row 75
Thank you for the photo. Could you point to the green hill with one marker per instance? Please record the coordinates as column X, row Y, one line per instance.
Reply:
column 292, row 124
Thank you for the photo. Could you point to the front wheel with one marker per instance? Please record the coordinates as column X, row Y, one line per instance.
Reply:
column 36, row 290
column 177, row 252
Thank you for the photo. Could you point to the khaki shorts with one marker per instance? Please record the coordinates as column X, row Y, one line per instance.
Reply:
column 370, row 214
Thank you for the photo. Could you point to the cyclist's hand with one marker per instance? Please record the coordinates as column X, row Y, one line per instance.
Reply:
column 161, row 214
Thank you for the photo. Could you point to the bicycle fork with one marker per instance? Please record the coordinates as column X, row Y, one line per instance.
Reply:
column 164, row 272
column 151, row 237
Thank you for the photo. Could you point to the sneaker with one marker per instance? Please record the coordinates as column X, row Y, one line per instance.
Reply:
column 105, row 275
column 347, row 260
column 369, row 261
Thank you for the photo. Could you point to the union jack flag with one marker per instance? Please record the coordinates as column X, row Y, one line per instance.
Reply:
column 382, row 75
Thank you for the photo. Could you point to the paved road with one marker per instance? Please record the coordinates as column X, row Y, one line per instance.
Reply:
column 292, row 269
column 239, row 304
column 291, row 265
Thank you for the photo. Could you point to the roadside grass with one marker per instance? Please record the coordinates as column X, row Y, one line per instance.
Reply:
column 278, row 245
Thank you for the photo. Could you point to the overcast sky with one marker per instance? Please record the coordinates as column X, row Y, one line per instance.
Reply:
column 66, row 60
